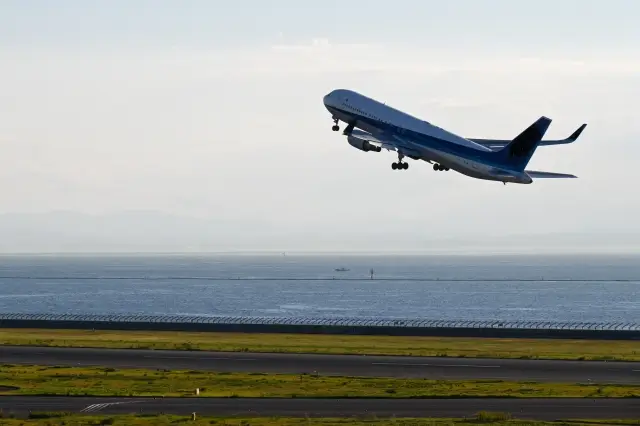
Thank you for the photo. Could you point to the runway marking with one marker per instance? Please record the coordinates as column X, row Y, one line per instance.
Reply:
column 436, row 365
column 97, row 407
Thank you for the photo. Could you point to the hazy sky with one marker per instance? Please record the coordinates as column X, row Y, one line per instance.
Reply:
column 213, row 110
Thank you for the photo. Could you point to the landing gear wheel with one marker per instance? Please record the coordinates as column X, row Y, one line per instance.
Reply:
column 335, row 128
column 399, row 166
column 436, row 167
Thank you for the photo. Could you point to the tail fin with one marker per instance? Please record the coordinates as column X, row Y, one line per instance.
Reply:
column 519, row 151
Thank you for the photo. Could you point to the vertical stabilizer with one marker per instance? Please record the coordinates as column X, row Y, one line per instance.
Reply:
column 518, row 152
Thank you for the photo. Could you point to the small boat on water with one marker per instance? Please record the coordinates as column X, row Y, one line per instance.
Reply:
column 341, row 269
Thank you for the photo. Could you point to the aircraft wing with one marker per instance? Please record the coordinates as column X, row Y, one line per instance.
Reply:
column 360, row 134
column 548, row 175
column 496, row 144
column 388, row 142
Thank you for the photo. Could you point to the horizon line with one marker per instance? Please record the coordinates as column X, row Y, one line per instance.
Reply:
column 285, row 253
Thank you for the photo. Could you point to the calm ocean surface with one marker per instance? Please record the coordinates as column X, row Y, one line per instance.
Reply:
column 592, row 288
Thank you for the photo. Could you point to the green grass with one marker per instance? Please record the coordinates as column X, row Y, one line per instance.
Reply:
column 96, row 381
column 331, row 344
column 487, row 419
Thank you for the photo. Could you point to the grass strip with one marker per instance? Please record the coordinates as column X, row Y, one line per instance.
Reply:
column 483, row 418
column 331, row 344
column 97, row 381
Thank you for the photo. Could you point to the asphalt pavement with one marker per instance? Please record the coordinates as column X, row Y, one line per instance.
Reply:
column 540, row 409
column 343, row 365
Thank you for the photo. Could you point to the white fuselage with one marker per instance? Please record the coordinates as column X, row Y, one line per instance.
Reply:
column 434, row 144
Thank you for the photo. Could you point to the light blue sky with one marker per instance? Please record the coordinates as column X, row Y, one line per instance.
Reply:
column 578, row 25
column 214, row 110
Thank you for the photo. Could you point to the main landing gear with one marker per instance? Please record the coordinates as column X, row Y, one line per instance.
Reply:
column 440, row 168
column 335, row 127
column 400, row 165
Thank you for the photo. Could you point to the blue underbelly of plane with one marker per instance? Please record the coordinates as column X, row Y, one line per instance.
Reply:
column 471, row 167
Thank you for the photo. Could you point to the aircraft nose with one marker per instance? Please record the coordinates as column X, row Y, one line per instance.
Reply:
column 334, row 97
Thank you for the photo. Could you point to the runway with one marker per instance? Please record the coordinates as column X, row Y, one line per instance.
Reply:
column 342, row 365
column 539, row 409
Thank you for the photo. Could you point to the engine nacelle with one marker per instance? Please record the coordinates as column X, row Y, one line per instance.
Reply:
column 362, row 144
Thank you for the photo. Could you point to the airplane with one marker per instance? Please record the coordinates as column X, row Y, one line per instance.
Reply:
column 372, row 125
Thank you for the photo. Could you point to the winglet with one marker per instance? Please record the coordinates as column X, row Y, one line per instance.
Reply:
column 577, row 133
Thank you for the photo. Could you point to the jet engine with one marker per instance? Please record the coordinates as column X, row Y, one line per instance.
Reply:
column 362, row 144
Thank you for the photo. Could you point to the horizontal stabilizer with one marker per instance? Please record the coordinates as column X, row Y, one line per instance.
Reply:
column 548, row 175
column 496, row 144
